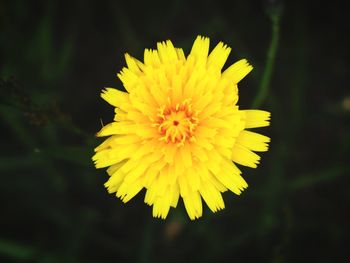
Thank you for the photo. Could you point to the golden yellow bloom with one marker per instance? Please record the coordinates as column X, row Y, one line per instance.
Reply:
column 178, row 130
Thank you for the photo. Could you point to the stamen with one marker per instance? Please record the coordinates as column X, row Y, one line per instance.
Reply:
column 177, row 124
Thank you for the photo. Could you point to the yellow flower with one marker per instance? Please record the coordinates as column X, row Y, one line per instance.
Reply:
column 178, row 130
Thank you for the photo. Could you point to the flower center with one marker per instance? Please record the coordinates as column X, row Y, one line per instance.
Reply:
column 177, row 123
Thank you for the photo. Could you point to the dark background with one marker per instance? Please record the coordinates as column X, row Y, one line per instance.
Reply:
column 55, row 58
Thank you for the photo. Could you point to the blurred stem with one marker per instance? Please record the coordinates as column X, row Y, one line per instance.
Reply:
column 270, row 60
column 146, row 245
column 275, row 180
column 299, row 85
column 27, row 161
column 274, row 188
column 309, row 180
column 15, row 251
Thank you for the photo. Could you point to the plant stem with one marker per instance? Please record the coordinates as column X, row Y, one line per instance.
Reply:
column 270, row 60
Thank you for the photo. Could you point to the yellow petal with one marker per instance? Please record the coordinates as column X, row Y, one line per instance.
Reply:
column 212, row 196
column 229, row 176
column 253, row 141
column 130, row 190
column 244, row 156
column 129, row 78
column 133, row 64
column 193, row 205
column 117, row 128
column 200, row 50
column 109, row 157
column 237, row 71
column 166, row 51
column 114, row 181
column 115, row 167
column 175, row 195
column 116, row 98
column 161, row 205
column 183, row 186
column 218, row 56
column 151, row 58
column 256, row 118
column 180, row 54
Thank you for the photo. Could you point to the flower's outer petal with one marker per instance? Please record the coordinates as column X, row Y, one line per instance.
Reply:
column 193, row 179
column 127, row 191
column 207, row 176
column 115, row 128
column 237, row 71
column 115, row 167
column 180, row 54
column 166, row 51
column 244, row 156
column 133, row 64
column 200, row 50
column 256, row 118
column 212, row 196
column 115, row 97
column 175, row 195
column 162, row 204
column 193, row 205
column 151, row 58
column 106, row 144
column 120, row 115
column 183, row 185
column 218, row 56
column 114, row 182
column 253, row 141
column 135, row 173
column 229, row 176
column 129, row 78
column 112, row 156
column 144, row 131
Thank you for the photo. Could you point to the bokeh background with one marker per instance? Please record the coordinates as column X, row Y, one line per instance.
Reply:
column 55, row 58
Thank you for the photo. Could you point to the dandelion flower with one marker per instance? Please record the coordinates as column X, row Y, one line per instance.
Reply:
column 178, row 131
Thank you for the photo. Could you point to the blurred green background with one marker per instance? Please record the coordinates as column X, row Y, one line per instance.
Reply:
column 55, row 58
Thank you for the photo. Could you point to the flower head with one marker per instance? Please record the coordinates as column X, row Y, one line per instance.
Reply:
column 178, row 130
